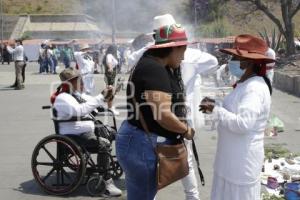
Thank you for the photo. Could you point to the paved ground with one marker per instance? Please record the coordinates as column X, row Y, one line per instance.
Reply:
column 23, row 124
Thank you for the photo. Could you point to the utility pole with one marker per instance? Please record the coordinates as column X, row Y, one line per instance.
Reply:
column 113, row 28
column 195, row 13
column 195, row 18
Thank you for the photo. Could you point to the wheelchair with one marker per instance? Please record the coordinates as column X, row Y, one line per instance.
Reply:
column 60, row 164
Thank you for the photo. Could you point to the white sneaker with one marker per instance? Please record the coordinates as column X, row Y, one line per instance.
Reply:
column 111, row 189
column 114, row 110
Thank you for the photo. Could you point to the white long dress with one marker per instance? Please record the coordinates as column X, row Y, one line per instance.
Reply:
column 240, row 150
column 86, row 67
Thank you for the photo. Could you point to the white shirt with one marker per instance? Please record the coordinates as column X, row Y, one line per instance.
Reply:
column 270, row 72
column 46, row 53
column 85, row 62
column 195, row 63
column 242, row 121
column 67, row 107
column 135, row 56
column 18, row 52
column 111, row 61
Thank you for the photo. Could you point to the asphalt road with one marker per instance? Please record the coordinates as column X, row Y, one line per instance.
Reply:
column 23, row 124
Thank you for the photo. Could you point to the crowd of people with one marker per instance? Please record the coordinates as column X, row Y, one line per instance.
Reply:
column 50, row 55
column 164, row 67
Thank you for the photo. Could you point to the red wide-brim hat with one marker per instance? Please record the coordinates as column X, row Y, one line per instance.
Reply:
column 249, row 47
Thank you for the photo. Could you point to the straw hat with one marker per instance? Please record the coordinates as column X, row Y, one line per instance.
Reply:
column 69, row 74
column 84, row 46
column 249, row 47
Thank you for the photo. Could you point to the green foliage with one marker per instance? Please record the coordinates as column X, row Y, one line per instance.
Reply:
column 38, row 8
column 41, row 6
column 276, row 39
column 26, row 36
column 271, row 197
column 278, row 151
column 218, row 28
column 206, row 10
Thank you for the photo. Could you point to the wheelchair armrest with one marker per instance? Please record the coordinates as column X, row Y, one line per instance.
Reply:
column 46, row 107
column 104, row 111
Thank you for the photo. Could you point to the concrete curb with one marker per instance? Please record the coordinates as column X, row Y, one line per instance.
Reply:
column 287, row 83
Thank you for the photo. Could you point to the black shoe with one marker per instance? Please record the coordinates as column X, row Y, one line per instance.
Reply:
column 22, row 87
column 12, row 86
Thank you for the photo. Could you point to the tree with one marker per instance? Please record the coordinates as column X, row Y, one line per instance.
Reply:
column 206, row 10
column 289, row 8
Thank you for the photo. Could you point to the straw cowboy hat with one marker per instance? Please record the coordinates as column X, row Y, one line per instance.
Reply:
column 84, row 46
column 249, row 47
column 69, row 74
column 170, row 36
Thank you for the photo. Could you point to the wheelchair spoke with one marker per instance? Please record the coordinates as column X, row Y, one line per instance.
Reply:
column 48, row 175
column 57, row 177
column 67, row 175
column 48, row 153
column 45, row 164
column 62, row 177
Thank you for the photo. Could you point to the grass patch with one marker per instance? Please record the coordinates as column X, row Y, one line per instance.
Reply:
column 278, row 151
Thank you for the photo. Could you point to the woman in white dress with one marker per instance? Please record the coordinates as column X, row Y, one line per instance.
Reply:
column 241, row 122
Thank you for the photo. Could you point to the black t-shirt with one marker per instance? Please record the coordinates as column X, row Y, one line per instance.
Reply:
column 150, row 75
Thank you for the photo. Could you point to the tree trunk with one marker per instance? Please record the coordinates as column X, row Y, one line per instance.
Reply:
column 290, row 43
column 286, row 6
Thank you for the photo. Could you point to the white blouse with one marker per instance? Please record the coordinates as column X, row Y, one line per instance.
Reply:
column 242, row 121
column 111, row 61
column 85, row 62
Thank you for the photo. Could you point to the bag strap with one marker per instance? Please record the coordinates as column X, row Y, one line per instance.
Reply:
column 198, row 163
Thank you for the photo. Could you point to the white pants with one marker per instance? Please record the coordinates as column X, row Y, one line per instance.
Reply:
column 270, row 75
column 225, row 190
column 190, row 181
column 88, row 83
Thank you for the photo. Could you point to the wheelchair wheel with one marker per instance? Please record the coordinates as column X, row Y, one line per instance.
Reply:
column 96, row 186
column 117, row 171
column 58, row 165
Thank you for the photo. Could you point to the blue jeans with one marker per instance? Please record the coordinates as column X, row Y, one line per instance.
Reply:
column 66, row 62
column 46, row 64
column 136, row 156
column 54, row 64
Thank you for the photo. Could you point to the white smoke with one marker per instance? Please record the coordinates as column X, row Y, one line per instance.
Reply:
column 134, row 16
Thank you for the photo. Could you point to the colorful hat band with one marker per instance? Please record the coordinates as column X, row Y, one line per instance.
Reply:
column 174, row 40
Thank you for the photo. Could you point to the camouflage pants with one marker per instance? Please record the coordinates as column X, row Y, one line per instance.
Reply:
column 19, row 65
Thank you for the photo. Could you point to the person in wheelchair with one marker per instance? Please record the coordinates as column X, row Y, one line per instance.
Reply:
column 76, row 110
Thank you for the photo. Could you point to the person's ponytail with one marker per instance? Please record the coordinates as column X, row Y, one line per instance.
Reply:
column 260, row 70
column 268, row 82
